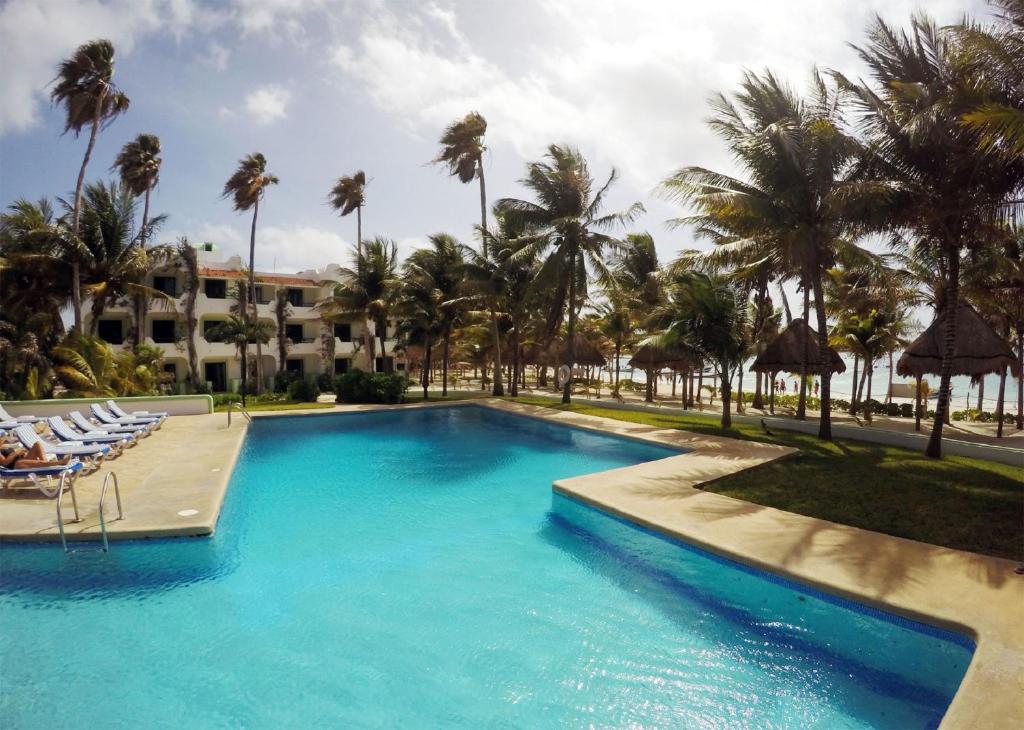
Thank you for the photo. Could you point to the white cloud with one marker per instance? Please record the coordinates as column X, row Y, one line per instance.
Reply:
column 283, row 249
column 268, row 104
column 216, row 57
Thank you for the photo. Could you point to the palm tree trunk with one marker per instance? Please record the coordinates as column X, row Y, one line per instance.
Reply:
column 483, row 199
column 801, row 407
column 853, row 386
column 785, row 305
column 1020, row 379
column 825, row 420
column 444, row 361
column 252, row 295
column 868, row 406
column 726, row 395
column 981, row 394
column 141, row 300
column 888, row 394
column 649, row 393
column 497, row 387
column 516, row 360
column 382, row 325
column 863, row 380
column 917, row 404
column 245, row 371
column 570, row 348
column 359, row 231
column 934, row 449
column 771, row 397
column 739, row 389
column 700, row 387
column 76, row 215
column 618, row 354
column 999, row 403
column 425, row 377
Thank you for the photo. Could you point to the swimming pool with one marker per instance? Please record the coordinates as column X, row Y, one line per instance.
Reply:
column 414, row 569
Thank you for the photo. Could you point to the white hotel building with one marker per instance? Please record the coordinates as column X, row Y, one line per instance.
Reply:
column 218, row 362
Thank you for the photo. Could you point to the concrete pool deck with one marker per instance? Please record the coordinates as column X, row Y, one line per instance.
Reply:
column 175, row 470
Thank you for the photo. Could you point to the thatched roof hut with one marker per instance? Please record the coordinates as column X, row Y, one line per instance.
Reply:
column 785, row 353
column 587, row 353
column 658, row 357
column 979, row 349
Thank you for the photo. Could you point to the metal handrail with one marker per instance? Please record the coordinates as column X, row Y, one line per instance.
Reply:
column 241, row 409
column 60, row 500
column 120, row 513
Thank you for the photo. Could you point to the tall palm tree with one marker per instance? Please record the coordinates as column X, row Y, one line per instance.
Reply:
column 565, row 224
column 369, row 290
column 138, row 163
column 246, row 187
column 790, row 210
column 84, row 86
column 440, row 268
column 921, row 169
column 636, row 273
column 462, row 152
column 348, row 194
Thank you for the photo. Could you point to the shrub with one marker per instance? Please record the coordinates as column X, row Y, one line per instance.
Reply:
column 220, row 399
column 303, row 391
column 325, row 383
column 284, row 379
column 357, row 386
column 907, row 410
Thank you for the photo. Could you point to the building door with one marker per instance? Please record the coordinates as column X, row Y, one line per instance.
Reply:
column 217, row 376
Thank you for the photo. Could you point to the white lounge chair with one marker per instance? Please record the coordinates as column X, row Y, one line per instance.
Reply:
column 119, row 441
column 85, row 426
column 8, row 418
column 103, row 417
column 66, row 473
column 120, row 413
column 92, row 455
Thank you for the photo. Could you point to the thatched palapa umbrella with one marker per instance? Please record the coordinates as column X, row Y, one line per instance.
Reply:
column 785, row 354
column 651, row 359
column 979, row 351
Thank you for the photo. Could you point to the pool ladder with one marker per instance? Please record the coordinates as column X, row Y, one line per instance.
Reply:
column 103, row 521
column 241, row 409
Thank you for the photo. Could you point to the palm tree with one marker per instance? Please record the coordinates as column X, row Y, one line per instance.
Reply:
column 369, row 290
column 281, row 311
column 85, row 365
column 790, row 213
column 349, row 194
column 921, row 168
column 462, row 152
column 83, row 85
column 636, row 275
column 241, row 332
column 710, row 317
column 500, row 278
column 440, row 268
column 246, row 187
column 565, row 225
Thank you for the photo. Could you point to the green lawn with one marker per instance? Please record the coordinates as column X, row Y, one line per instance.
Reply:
column 957, row 502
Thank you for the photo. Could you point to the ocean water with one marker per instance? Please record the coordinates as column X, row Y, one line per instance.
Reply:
column 413, row 569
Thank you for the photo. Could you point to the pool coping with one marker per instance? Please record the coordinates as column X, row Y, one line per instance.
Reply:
column 971, row 594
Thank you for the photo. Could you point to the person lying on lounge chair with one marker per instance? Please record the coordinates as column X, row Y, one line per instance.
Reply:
column 15, row 457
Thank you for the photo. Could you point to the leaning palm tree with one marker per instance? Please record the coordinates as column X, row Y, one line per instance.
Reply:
column 462, row 152
column 921, row 168
column 246, row 187
column 83, row 85
column 566, row 225
column 349, row 194
column 368, row 290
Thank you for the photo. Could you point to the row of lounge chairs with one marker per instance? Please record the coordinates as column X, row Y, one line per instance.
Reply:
column 107, row 435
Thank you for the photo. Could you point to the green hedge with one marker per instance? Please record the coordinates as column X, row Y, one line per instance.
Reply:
column 357, row 386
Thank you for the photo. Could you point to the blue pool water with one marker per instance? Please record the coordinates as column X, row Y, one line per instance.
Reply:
column 413, row 569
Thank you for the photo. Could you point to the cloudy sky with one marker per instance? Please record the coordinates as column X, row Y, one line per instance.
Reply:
column 325, row 87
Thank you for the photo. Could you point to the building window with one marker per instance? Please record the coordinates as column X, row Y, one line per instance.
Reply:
column 171, row 369
column 216, row 288
column 166, row 284
column 163, row 330
column 295, row 297
column 343, row 331
column 263, row 295
column 341, row 365
column 293, row 332
column 111, row 330
column 216, row 375
column 209, row 330
column 294, row 366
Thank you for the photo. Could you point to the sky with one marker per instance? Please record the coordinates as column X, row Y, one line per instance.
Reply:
column 323, row 88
